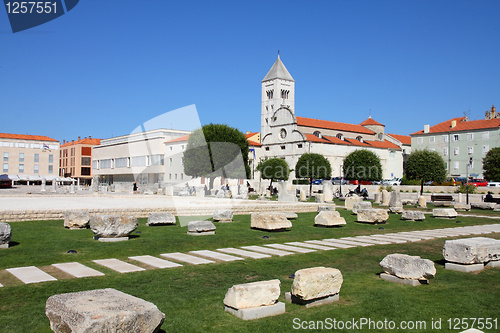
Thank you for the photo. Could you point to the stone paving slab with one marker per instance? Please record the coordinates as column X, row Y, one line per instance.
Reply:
column 30, row 274
column 405, row 237
column 155, row 262
column 290, row 248
column 348, row 242
column 370, row 240
column 322, row 242
column 77, row 270
column 266, row 250
column 216, row 255
column 392, row 239
column 420, row 234
column 311, row 246
column 338, row 244
column 118, row 265
column 187, row 258
column 244, row 253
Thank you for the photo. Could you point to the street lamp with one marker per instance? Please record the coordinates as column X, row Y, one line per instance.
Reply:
column 467, row 166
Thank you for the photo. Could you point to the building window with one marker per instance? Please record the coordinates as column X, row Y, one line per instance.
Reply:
column 182, row 147
column 470, row 150
column 270, row 94
column 456, row 151
column 87, row 160
column 21, row 168
column 169, row 176
column 21, row 157
column 37, row 158
column 170, row 162
column 170, row 148
column 445, row 152
column 36, row 168
column 470, row 136
column 299, row 145
column 51, row 169
column 485, row 135
column 432, row 139
column 359, row 138
column 283, row 134
column 105, row 164
column 445, row 138
column 456, row 165
column 5, row 157
column 317, row 134
column 157, row 159
column 6, row 167
column 95, row 164
column 486, row 148
column 182, row 176
column 85, row 171
column 51, row 159
column 392, row 153
column 456, row 137
column 119, row 162
column 175, row 176
column 420, row 140
column 282, row 147
column 267, row 148
column 137, row 161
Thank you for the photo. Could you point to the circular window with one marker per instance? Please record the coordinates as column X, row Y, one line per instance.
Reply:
column 283, row 134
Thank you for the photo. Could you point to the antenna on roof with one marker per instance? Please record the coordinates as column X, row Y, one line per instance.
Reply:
column 278, row 53
column 370, row 113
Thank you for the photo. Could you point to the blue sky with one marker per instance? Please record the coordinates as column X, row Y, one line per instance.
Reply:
column 106, row 67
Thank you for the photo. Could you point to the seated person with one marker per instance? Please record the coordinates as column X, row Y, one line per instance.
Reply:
column 489, row 197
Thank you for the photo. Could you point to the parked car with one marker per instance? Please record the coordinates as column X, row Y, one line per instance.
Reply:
column 494, row 184
column 392, row 182
column 317, row 181
column 478, row 182
column 451, row 181
column 339, row 181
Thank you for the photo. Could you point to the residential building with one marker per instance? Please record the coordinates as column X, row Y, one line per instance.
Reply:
column 288, row 136
column 28, row 159
column 137, row 157
column 462, row 143
column 76, row 159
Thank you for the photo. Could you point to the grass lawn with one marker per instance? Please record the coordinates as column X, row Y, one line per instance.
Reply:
column 191, row 296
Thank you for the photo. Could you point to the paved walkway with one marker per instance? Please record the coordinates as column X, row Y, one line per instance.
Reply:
column 32, row 274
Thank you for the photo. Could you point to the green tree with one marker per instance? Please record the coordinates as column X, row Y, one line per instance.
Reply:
column 217, row 150
column 362, row 164
column 273, row 169
column 425, row 165
column 313, row 166
column 491, row 165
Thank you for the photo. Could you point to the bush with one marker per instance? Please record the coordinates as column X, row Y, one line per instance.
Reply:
column 300, row 181
column 389, row 188
column 406, row 181
column 463, row 189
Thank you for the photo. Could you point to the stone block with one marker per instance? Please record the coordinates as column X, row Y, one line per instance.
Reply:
column 257, row 312
column 313, row 302
column 442, row 203
column 484, row 205
column 373, row 215
column 303, row 196
column 5, row 235
column 386, row 197
column 223, row 215
column 325, row 208
column 395, row 199
column 320, row 198
column 269, row 221
column 160, row 218
column 474, row 250
column 494, row 264
column 361, row 205
column 290, row 215
column 413, row 215
column 102, row 310
column 408, row 267
column 316, row 282
column 462, row 207
column 350, row 201
column 329, row 219
column 396, row 209
column 463, row 268
column 104, row 226
column 201, row 227
column 393, row 278
column 76, row 219
column 253, row 294
column 444, row 213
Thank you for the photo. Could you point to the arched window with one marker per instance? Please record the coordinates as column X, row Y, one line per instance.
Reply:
column 317, row 133
column 340, row 136
column 359, row 138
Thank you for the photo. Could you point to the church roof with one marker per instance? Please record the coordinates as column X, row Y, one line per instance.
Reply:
column 404, row 139
column 371, row 121
column 26, row 137
column 462, row 124
column 333, row 125
column 278, row 71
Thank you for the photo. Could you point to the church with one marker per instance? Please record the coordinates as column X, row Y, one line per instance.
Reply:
column 288, row 136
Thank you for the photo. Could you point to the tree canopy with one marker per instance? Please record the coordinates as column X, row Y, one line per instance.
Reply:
column 313, row 166
column 217, row 150
column 426, row 165
column 491, row 165
column 273, row 169
column 362, row 164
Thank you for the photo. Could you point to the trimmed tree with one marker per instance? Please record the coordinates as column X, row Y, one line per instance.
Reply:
column 217, row 150
column 313, row 166
column 362, row 164
column 273, row 169
column 426, row 165
column 491, row 165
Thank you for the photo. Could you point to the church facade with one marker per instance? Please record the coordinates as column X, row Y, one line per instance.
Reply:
column 286, row 135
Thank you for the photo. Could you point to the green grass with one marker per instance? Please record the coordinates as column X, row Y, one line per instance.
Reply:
column 191, row 296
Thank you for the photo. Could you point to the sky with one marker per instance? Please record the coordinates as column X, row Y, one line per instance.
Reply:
column 106, row 67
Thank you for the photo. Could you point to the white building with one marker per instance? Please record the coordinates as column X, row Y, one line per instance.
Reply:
column 288, row 136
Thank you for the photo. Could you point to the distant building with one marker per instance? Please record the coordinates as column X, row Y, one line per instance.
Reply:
column 288, row 136
column 461, row 142
column 174, row 166
column 76, row 159
column 137, row 157
column 29, row 158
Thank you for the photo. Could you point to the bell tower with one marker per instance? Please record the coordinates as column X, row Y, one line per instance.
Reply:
column 278, row 89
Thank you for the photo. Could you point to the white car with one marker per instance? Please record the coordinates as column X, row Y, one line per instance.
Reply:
column 494, row 184
column 393, row 182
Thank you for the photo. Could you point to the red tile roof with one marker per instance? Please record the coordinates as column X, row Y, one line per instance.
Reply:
column 249, row 135
column 333, row 125
column 253, row 143
column 180, row 139
column 404, row 139
column 462, row 125
column 371, row 121
column 314, row 138
column 26, row 137
column 353, row 142
column 84, row 141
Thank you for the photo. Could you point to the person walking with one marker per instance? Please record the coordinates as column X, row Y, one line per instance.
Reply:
column 135, row 187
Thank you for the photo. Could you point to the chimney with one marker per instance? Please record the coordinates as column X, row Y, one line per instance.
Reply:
column 427, row 128
column 64, row 141
column 493, row 112
column 79, row 139
column 90, row 137
column 453, row 123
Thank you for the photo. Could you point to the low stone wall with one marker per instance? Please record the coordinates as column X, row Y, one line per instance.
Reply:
column 239, row 208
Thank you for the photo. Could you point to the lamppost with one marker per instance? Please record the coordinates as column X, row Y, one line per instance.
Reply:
column 467, row 166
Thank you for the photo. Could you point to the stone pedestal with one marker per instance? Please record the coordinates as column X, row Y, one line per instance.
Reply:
column 303, row 196
column 422, row 202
